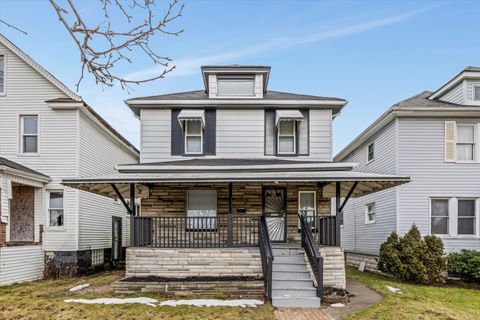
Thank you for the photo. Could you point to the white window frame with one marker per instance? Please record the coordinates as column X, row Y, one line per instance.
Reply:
column 474, row 143
column 475, row 218
column 367, row 219
column 187, row 134
column 22, row 134
column 372, row 143
column 474, row 97
column 294, row 128
column 236, row 79
column 49, row 191
column 449, row 216
column 4, row 92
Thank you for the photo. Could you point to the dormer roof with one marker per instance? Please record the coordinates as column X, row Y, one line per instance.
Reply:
column 235, row 69
column 469, row 72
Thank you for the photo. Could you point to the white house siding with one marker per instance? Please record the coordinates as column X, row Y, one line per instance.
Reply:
column 321, row 135
column 20, row 264
column 356, row 234
column 155, row 135
column 455, row 95
column 240, row 133
column 421, row 156
column 469, row 84
column 99, row 154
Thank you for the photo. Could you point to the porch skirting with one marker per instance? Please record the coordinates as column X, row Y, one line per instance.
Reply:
column 186, row 262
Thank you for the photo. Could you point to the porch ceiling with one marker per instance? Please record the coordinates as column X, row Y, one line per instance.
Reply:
column 366, row 182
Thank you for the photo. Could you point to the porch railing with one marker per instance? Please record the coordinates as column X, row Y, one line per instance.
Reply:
column 266, row 254
column 312, row 251
column 196, row 232
column 323, row 229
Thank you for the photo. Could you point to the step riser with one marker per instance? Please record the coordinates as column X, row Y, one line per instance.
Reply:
column 291, row 275
column 288, row 284
column 289, row 259
column 286, row 252
column 289, row 268
column 307, row 293
column 296, row 303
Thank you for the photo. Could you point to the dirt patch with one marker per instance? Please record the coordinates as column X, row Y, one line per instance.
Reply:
column 335, row 295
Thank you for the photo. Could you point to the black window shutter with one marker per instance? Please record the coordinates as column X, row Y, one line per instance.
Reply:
column 177, row 135
column 210, row 133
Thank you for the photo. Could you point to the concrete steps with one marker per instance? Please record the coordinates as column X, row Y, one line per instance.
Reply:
column 292, row 285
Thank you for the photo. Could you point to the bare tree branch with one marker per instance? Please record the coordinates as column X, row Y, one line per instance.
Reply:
column 12, row 26
column 103, row 45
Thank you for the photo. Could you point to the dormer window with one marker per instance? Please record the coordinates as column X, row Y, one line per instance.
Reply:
column 235, row 86
column 476, row 93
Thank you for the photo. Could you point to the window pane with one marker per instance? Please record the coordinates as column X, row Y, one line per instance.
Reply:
column 286, row 144
column 56, row 218
column 30, row 125
column 56, row 200
column 439, row 208
column 194, row 144
column 202, row 203
column 371, row 217
column 476, row 92
column 371, row 208
column 464, row 152
column 286, row 127
column 30, row 144
column 235, row 87
column 194, row 127
column 307, row 201
column 466, row 208
column 2, row 73
column 370, row 152
column 466, row 226
column 465, row 133
column 439, row 225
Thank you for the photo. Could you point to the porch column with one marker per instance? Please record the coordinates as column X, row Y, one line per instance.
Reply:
column 338, row 212
column 230, row 217
column 132, row 215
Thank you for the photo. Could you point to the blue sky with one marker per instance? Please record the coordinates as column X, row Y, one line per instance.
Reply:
column 372, row 53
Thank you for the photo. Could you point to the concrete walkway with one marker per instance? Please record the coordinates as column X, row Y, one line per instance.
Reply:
column 363, row 298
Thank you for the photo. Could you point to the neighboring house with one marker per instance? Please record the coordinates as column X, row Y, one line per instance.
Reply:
column 432, row 137
column 47, row 133
column 225, row 171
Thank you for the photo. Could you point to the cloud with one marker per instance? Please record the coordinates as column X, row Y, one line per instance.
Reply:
column 188, row 65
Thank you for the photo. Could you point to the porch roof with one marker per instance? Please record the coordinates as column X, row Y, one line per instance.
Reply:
column 16, row 169
column 366, row 182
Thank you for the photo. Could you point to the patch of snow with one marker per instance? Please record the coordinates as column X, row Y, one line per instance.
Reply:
column 147, row 301
column 337, row 305
column 394, row 290
column 212, row 303
column 79, row 287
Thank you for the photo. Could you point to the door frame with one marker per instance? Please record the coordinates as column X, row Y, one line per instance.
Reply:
column 264, row 188
column 120, row 247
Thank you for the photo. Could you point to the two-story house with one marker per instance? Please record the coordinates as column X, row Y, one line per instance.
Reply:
column 432, row 137
column 224, row 173
column 47, row 133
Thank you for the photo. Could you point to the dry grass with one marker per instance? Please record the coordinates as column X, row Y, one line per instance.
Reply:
column 45, row 300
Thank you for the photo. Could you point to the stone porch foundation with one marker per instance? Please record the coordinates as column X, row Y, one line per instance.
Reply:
column 354, row 259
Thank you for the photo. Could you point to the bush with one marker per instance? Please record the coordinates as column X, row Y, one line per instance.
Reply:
column 466, row 264
column 412, row 258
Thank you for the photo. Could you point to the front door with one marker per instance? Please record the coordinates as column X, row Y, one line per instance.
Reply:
column 116, row 238
column 275, row 211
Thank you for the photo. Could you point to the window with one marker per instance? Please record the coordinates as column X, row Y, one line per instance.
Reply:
column 465, row 142
column 55, row 208
column 476, row 92
column 29, row 134
column 370, row 212
column 235, row 87
column 97, row 257
column 439, row 216
column 201, row 209
column 466, row 216
column 370, row 152
column 193, row 137
column 2, row 74
column 307, row 205
column 286, row 137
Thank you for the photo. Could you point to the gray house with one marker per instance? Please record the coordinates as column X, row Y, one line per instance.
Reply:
column 432, row 137
column 224, row 173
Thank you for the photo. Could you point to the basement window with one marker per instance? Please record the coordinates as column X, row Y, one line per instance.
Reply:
column 97, row 257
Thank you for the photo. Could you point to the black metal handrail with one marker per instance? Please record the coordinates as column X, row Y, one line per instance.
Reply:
column 323, row 229
column 196, row 232
column 313, row 252
column 266, row 254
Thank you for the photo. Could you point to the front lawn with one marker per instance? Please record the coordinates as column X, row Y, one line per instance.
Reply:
column 417, row 302
column 45, row 300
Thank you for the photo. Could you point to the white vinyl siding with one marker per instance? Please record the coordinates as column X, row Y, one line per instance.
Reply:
column 455, row 95
column 2, row 74
column 155, row 135
column 21, row 263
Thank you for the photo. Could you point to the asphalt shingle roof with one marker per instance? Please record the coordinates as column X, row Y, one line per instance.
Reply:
column 17, row 166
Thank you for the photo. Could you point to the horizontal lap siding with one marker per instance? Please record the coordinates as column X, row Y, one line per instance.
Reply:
column 155, row 135
column 321, row 135
column 421, row 149
column 240, row 133
column 99, row 154
column 20, row 264
column 356, row 235
column 455, row 95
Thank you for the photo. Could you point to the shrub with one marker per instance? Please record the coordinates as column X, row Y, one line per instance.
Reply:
column 412, row 258
column 466, row 264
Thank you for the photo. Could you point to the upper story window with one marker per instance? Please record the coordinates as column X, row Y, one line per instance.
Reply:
column 370, row 212
column 476, row 92
column 193, row 137
column 286, row 137
column 370, row 152
column 2, row 74
column 439, row 212
column 231, row 87
column 465, row 142
column 55, row 208
column 29, row 134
